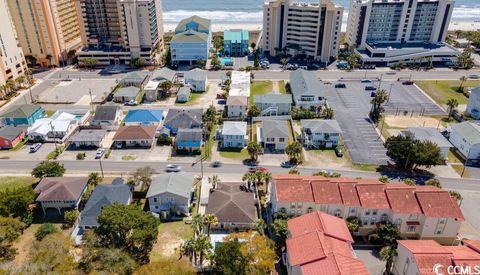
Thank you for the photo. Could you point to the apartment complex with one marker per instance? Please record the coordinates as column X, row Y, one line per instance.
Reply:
column 192, row 40
column 393, row 30
column 310, row 29
column 235, row 42
column 116, row 31
column 12, row 61
column 420, row 212
column 47, row 29
column 429, row 257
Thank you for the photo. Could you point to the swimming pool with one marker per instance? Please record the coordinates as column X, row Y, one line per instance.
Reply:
column 227, row 61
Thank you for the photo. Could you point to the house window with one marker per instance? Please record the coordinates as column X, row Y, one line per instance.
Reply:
column 374, row 212
column 292, row 205
column 384, row 218
column 155, row 200
column 413, row 216
column 281, row 139
column 367, row 212
column 411, row 228
column 373, row 220
column 299, row 205
column 365, row 221
column 338, row 213
column 442, row 220
column 309, row 210
column 352, row 210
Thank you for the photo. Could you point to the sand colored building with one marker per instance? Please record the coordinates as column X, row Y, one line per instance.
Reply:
column 12, row 61
column 310, row 29
column 47, row 29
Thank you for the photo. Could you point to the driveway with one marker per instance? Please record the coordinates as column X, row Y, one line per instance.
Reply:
column 24, row 153
column 371, row 259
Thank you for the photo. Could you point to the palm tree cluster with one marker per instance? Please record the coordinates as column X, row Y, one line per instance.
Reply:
column 254, row 149
column 377, row 109
column 294, row 152
column 198, row 246
column 257, row 179
column 13, row 85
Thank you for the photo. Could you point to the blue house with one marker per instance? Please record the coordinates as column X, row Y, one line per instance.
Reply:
column 143, row 117
column 183, row 118
column 25, row 114
column 192, row 40
column 235, row 42
column 189, row 139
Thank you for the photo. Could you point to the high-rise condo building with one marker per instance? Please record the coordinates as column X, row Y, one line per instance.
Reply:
column 12, row 61
column 310, row 29
column 389, row 31
column 117, row 31
column 47, row 29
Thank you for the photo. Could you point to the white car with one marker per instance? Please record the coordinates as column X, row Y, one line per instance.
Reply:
column 474, row 76
column 99, row 153
column 173, row 168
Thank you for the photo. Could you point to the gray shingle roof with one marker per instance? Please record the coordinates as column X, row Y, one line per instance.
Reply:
column 10, row 132
column 180, row 184
column 272, row 98
column 22, row 111
column 430, row 134
column 103, row 195
column 184, row 91
column 88, row 135
column 321, row 125
column 275, row 128
column 130, row 91
column 190, row 134
column 135, row 77
column 229, row 203
column 184, row 118
column 106, row 112
column 60, row 189
column 469, row 131
column 305, row 83
column 163, row 74
column 196, row 74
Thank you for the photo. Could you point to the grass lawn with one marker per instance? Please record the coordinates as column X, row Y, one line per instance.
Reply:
column 193, row 98
column 453, row 157
column 207, row 148
column 170, row 237
column 260, row 88
column 15, row 182
column 129, row 157
column 19, row 145
column 234, row 153
column 49, row 113
column 442, row 90
column 281, row 87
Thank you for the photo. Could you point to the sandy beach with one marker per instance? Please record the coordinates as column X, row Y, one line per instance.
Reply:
column 464, row 26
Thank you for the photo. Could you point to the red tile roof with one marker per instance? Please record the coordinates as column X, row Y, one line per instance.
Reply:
column 439, row 204
column 372, row 196
column 403, row 200
column 473, row 244
column 320, row 244
column 326, row 192
column 369, row 193
column 135, row 133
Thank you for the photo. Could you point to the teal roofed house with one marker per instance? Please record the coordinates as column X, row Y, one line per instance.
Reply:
column 192, row 40
column 25, row 114
column 235, row 42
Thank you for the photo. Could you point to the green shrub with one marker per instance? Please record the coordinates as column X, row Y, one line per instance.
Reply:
column 44, row 230
column 81, row 156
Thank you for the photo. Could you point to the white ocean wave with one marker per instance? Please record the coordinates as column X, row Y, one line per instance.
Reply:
column 466, row 13
column 215, row 16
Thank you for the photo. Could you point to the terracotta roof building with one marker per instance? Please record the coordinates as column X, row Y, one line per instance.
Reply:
column 320, row 244
column 422, row 256
column 418, row 211
column 235, row 207
column 60, row 192
column 135, row 136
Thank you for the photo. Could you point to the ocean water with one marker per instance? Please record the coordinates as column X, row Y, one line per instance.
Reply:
column 251, row 11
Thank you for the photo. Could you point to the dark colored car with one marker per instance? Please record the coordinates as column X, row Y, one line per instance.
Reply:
column 338, row 152
column 372, row 94
column 216, row 164
column 340, row 85
column 370, row 88
column 408, row 82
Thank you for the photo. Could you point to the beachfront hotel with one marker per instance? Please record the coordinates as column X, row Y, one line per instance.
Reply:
column 117, row 31
column 192, row 40
column 12, row 61
column 310, row 29
column 47, row 30
column 390, row 31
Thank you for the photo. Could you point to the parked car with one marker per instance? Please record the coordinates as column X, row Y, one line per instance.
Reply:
column 286, row 164
column 474, row 76
column 99, row 153
column 131, row 103
column 340, row 85
column 34, row 147
column 257, row 168
column 391, row 72
column 216, row 164
column 370, row 88
column 221, row 101
column 338, row 152
column 457, row 116
column 173, row 168
column 408, row 82
column 366, row 81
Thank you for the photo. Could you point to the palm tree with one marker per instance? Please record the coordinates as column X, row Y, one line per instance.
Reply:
column 434, row 182
column 294, row 151
column 209, row 220
column 284, row 62
column 20, row 80
column 462, row 81
column 456, row 195
column 214, row 181
column 198, row 222
column 327, row 113
column 388, row 254
column 202, row 246
column 253, row 111
column 259, row 226
column 253, row 150
column 3, row 91
column 165, row 86
column 266, row 177
column 188, row 249
column 249, row 178
column 10, row 85
column 380, row 97
column 452, row 103
column 294, row 171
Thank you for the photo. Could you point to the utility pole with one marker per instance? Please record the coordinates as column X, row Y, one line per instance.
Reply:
column 31, row 96
column 465, row 163
column 54, row 136
column 101, row 167
column 389, row 92
column 91, row 98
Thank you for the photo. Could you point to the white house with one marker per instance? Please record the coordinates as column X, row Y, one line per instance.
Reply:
column 153, row 87
column 430, row 134
column 192, row 40
column 183, row 94
column 273, row 104
column 319, row 133
column 53, row 129
column 473, row 106
column 234, row 134
column 240, row 84
column 237, row 106
column 197, row 80
column 306, row 89
column 465, row 137
column 170, row 192
column 274, row 134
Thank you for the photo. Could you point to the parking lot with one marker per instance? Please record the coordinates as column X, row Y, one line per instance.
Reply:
column 352, row 105
column 24, row 152
column 77, row 91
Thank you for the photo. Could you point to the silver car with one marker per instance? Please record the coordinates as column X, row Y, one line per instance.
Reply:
column 173, row 168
